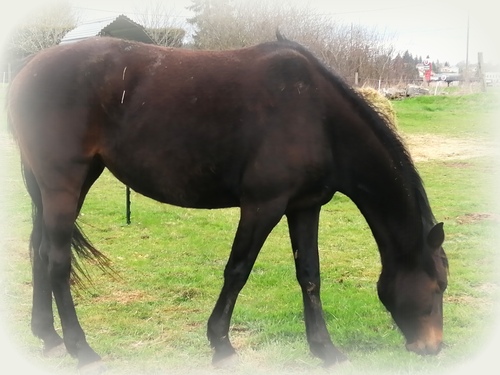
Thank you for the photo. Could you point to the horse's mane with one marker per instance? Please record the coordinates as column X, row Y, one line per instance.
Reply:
column 379, row 123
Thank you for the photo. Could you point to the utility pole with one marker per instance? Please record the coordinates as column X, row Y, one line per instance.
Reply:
column 467, row 53
column 480, row 71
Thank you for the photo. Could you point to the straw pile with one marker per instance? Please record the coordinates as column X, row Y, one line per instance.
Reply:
column 380, row 103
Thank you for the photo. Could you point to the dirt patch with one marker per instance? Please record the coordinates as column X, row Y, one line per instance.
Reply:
column 475, row 217
column 124, row 297
column 483, row 295
column 425, row 147
column 457, row 164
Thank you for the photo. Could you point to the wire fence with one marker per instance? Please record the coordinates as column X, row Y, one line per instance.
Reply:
column 382, row 85
column 5, row 78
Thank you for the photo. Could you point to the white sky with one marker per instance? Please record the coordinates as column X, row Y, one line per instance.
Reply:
column 424, row 27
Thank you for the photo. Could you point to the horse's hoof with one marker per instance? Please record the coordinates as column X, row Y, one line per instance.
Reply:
column 56, row 351
column 226, row 362
column 93, row 368
column 337, row 365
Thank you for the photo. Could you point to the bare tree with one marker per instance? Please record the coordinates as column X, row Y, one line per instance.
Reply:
column 44, row 28
column 348, row 49
column 224, row 24
column 162, row 23
column 215, row 23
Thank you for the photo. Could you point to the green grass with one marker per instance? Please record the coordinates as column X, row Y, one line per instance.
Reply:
column 456, row 116
column 152, row 318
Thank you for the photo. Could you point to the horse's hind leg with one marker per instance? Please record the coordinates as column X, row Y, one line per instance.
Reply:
column 256, row 222
column 42, row 317
column 62, row 198
column 303, row 227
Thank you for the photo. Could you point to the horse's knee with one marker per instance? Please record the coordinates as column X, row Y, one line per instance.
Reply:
column 59, row 266
column 59, row 258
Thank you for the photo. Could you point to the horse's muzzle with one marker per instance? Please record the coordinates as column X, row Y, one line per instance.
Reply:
column 421, row 347
column 429, row 339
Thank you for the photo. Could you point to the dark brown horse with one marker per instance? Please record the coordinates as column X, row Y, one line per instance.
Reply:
column 267, row 129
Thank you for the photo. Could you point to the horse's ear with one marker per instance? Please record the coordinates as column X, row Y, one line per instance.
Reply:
column 435, row 238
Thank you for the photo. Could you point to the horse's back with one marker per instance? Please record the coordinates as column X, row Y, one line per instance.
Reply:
column 179, row 126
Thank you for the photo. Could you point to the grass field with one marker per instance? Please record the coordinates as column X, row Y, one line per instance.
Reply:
column 152, row 318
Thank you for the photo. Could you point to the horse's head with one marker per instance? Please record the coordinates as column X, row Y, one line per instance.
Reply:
column 414, row 295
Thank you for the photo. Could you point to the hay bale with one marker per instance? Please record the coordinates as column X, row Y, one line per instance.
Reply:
column 380, row 103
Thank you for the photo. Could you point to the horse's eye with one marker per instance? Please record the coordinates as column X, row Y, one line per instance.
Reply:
column 442, row 285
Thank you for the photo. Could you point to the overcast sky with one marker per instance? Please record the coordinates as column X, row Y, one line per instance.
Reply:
column 424, row 27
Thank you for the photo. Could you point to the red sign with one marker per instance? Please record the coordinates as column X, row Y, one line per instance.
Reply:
column 427, row 74
column 427, row 69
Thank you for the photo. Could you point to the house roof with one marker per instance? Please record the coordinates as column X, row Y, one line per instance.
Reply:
column 118, row 27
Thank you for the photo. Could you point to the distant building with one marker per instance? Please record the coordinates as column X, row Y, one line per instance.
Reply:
column 450, row 69
column 118, row 27
column 492, row 78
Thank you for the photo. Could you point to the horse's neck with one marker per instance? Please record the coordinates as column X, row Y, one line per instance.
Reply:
column 384, row 193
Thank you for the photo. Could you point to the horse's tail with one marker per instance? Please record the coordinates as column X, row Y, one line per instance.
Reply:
column 82, row 249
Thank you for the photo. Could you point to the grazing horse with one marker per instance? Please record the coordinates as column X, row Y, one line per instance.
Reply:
column 267, row 129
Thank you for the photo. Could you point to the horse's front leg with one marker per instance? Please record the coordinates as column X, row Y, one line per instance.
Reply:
column 256, row 222
column 303, row 227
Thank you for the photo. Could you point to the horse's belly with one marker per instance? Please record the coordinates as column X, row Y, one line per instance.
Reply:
column 186, row 188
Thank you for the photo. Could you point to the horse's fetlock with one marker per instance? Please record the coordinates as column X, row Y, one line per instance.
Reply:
column 310, row 287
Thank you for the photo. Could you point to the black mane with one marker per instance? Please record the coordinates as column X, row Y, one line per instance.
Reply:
column 379, row 123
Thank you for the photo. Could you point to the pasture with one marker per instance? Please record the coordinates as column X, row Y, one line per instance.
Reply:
column 151, row 316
